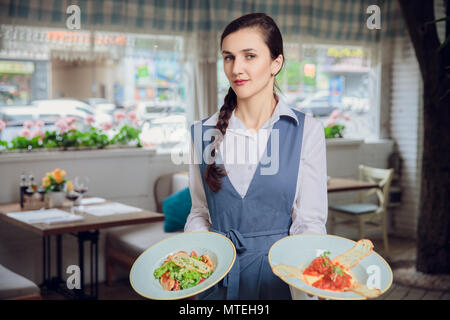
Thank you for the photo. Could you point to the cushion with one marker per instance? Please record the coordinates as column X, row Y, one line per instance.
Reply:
column 136, row 239
column 13, row 285
column 176, row 209
column 355, row 208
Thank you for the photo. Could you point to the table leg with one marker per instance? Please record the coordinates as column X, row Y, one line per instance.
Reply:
column 59, row 256
column 92, row 237
column 45, row 261
column 47, row 280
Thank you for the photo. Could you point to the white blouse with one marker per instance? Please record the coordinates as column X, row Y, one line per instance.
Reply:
column 241, row 150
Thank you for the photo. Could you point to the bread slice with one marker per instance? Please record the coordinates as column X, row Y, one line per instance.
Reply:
column 351, row 258
column 365, row 291
column 283, row 270
column 182, row 259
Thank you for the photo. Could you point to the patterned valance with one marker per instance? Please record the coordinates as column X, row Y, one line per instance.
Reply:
column 341, row 20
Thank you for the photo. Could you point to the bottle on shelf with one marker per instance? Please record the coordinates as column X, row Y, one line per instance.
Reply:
column 23, row 186
column 33, row 184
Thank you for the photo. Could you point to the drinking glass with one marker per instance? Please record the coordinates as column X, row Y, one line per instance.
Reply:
column 80, row 185
column 72, row 196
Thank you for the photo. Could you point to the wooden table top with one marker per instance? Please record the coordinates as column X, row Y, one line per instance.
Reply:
column 342, row 184
column 90, row 222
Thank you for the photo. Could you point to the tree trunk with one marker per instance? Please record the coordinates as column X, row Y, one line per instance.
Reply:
column 433, row 231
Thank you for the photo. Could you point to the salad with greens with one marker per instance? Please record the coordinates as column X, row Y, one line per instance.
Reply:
column 181, row 271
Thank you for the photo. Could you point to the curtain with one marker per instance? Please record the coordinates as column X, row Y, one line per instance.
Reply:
column 200, row 23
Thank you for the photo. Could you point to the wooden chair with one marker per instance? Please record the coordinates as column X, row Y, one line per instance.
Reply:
column 366, row 216
column 123, row 245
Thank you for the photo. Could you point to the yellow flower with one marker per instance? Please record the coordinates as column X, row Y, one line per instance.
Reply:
column 45, row 182
column 58, row 178
column 63, row 173
column 69, row 185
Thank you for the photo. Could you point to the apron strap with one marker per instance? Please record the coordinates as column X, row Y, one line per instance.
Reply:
column 231, row 280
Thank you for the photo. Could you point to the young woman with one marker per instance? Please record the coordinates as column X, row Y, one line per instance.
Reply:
column 279, row 186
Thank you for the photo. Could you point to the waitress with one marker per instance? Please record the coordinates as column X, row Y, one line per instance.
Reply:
column 264, row 176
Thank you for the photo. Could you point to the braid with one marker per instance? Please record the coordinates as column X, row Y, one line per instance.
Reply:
column 213, row 173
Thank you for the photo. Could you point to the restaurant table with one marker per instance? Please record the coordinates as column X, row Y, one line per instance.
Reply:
column 86, row 230
column 344, row 184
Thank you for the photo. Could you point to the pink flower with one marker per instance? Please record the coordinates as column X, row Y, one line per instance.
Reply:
column 335, row 114
column 25, row 132
column 39, row 123
column 71, row 120
column 119, row 116
column 132, row 115
column 89, row 120
column 62, row 125
column 38, row 133
column 28, row 124
column 346, row 117
column 2, row 125
column 106, row 126
column 329, row 123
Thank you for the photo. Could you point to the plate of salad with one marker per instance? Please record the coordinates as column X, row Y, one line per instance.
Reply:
column 182, row 266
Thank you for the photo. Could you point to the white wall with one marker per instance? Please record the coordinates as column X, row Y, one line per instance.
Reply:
column 406, row 130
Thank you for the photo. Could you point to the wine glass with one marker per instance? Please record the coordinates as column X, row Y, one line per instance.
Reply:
column 80, row 185
column 72, row 196
column 41, row 191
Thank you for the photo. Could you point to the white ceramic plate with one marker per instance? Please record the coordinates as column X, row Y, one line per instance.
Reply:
column 218, row 247
column 301, row 250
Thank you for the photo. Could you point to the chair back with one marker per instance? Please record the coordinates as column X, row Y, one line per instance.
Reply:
column 168, row 184
column 382, row 177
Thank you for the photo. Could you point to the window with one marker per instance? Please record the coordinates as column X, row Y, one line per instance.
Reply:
column 159, row 93
column 319, row 79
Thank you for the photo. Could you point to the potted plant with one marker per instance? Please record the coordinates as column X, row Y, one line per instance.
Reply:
column 56, row 184
column 333, row 129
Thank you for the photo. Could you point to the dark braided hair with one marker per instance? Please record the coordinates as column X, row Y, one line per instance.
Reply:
column 272, row 37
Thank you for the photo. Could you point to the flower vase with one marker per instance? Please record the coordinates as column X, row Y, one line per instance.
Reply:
column 56, row 199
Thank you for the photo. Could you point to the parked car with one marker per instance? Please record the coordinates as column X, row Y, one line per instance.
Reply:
column 53, row 109
column 152, row 110
column 101, row 104
column 294, row 98
column 17, row 115
column 356, row 104
column 319, row 104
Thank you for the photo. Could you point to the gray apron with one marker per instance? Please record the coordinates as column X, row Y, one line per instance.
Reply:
column 254, row 223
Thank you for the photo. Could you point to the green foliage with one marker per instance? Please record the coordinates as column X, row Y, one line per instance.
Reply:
column 25, row 143
column 93, row 137
column 126, row 135
column 334, row 131
column 4, row 144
